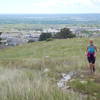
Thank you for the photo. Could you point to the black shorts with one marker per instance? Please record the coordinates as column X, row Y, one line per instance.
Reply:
column 91, row 59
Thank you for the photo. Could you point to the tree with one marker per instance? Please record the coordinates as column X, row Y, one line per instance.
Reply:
column 45, row 36
column 65, row 33
column 0, row 37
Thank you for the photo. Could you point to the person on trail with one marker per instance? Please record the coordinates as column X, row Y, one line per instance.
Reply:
column 91, row 55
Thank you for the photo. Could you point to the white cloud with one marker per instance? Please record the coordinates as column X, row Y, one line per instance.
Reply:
column 50, row 6
column 65, row 6
column 50, row 3
column 96, row 2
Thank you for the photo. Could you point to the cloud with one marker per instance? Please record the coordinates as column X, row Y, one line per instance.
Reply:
column 66, row 6
column 63, row 2
column 50, row 6
column 96, row 2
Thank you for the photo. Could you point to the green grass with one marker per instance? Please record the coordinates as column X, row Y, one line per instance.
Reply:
column 56, row 48
column 22, row 75
column 87, row 87
column 26, row 84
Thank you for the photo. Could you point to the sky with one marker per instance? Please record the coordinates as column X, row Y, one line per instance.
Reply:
column 49, row 6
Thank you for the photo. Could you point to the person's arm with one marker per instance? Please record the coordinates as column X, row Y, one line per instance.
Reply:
column 96, row 51
column 96, row 48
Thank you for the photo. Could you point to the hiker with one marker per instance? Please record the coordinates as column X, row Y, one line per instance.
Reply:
column 91, row 55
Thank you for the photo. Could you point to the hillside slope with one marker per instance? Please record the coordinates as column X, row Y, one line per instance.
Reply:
column 31, row 71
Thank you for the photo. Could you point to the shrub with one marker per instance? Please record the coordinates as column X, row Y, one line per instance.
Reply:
column 45, row 36
column 65, row 33
column 49, row 39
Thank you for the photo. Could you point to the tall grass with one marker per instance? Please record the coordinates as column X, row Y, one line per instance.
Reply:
column 23, row 84
column 22, row 75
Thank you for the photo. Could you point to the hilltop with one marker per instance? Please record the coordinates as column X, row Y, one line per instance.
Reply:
column 31, row 71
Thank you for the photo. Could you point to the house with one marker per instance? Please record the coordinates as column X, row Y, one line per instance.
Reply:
column 3, row 42
column 12, row 41
column 32, row 37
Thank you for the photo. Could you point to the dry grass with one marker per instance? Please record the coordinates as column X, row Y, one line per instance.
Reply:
column 22, row 75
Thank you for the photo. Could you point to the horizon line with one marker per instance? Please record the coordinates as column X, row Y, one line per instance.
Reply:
column 43, row 13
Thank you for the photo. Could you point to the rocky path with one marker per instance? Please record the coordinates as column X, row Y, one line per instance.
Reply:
column 83, row 77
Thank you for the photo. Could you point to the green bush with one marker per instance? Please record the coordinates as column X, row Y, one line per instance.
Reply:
column 49, row 39
column 65, row 33
column 45, row 36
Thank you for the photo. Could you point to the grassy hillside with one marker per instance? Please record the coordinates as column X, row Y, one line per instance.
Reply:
column 31, row 71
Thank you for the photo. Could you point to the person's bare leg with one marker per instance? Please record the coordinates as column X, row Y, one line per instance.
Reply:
column 91, row 68
column 94, row 68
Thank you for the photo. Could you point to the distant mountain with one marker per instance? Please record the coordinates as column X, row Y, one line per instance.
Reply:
column 50, row 19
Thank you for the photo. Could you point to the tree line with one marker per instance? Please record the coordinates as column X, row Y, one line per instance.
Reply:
column 63, row 34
